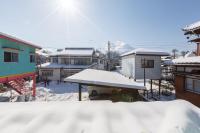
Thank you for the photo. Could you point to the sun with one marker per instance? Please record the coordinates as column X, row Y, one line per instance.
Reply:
column 68, row 6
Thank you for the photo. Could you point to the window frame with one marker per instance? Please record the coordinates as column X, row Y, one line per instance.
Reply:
column 145, row 63
column 193, row 90
column 13, row 59
column 30, row 59
column 47, row 73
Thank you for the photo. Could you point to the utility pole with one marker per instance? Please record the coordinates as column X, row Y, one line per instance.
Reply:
column 144, row 63
column 109, row 56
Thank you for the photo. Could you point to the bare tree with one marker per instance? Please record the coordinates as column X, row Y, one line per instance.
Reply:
column 183, row 53
column 174, row 51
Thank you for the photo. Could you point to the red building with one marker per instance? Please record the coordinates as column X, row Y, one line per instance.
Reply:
column 187, row 69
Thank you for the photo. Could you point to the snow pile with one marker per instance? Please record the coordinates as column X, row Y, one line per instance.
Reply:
column 100, row 117
column 60, row 92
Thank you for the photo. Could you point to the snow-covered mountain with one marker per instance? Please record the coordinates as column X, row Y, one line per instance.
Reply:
column 120, row 47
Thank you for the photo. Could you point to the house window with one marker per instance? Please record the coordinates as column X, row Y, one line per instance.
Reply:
column 192, row 85
column 82, row 61
column 32, row 58
column 55, row 60
column 47, row 73
column 147, row 63
column 10, row 57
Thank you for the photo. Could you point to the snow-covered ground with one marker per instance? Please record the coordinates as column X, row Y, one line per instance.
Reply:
column 156, row 88
column 59, row 92
column 99, row 117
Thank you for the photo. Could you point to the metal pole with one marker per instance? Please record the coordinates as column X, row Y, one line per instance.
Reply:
column 151, row 89
column 80, row 91
column 159, row 86
column 109, row 56
column 144, row 73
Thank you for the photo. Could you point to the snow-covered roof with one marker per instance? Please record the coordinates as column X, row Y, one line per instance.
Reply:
column 75, row 52
column 192, row 27
column 100, row 117
column 190, row 54
column 55, row 65
column 104, row 78
column 187, row 60
column 143, row 51
column 11, row 38
column 39, row 52
column 184, row 60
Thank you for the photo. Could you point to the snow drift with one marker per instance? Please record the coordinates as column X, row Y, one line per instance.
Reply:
column 100, row 117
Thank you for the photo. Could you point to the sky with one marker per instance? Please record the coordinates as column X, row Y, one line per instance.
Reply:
column 152, row 24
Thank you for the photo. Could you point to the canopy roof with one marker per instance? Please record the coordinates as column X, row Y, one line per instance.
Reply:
column 104, row 78
column 143, row 51
column 14, row 39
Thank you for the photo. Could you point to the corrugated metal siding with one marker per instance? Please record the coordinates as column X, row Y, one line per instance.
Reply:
column 151, row 73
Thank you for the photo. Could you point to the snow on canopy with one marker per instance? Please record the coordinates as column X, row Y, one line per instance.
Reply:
column 192, row 27
column 100, row 117
column 143, row 51
column 104, row 78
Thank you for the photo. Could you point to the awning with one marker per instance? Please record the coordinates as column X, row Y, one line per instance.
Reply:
column 104, row 78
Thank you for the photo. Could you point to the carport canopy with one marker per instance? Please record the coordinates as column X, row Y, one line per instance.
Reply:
column 92, row 77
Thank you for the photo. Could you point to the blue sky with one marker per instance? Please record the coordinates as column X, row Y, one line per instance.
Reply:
column 141, row 23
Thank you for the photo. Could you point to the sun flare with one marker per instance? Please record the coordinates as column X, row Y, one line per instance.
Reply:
column 68, row 6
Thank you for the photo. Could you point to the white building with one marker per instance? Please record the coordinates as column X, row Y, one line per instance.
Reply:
column 69, row 61
column 142, row 62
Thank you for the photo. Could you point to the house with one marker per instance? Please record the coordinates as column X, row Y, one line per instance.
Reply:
column 69, row 61
column 142, row 63
column 17, row 62
column 192, row 32
column 187, row 79
column 187, row 69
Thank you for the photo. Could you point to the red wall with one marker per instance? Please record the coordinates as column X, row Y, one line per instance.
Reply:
column 181, row 93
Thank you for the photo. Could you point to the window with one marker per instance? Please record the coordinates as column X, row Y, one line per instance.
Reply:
column 192, row 85
column 147, row 63
column 32, row 58
column 47, row 73
column 82, row 61
column 55, row 60
column 10, row 57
